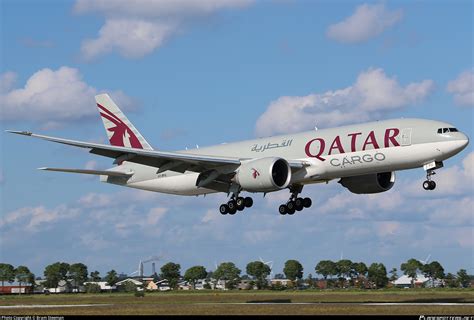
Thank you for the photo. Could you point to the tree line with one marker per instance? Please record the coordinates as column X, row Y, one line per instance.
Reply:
column 343, row 273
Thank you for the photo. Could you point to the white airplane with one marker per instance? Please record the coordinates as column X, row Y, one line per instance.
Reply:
column 364, row 157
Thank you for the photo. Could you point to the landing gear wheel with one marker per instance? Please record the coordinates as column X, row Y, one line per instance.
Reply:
column 232, row 204
column 282, row 209
column 248, row 202
column 291, row 206
column 291, row 211
column 307, row 202
column 432, row 185
column 427, row 185
column 240, row 203
column 224, row 209
column 299, row 204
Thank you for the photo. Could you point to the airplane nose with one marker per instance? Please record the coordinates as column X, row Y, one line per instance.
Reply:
column 463, row 141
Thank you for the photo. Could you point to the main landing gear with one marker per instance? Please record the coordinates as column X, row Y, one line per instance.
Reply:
column 235, row 204
column 429, row 184
column 294, row 203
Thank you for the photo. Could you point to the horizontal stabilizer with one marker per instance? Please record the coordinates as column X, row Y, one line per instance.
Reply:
column 96, row 172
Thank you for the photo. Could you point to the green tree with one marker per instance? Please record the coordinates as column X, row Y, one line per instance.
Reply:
column 326, row 268
column 95, row 276
column 54, row 273
column 344, row 270
column 7, row 273
column 377, row 274
column 24, row 275
column 111, row 278
column 393, row 274
column 129, row 286
column 259, row 271
column 78, row 273
column 293, row 270
column 411, row 268
column 451, row 281
column 195, row 273
column 171, row 272
column 360, row 269
column 228, row 272
column 433, row 270
column 463, row 279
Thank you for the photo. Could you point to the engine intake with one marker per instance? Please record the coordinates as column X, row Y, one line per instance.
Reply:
column 265, row 174
column 369, row 183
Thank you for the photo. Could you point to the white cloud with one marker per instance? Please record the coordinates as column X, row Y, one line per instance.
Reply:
column 139, row 29
column 52, row 96
column 131, row 38
column 7, row 81
column 155, row 215
column 463, row 88
column 373, row 94
column 35, row 218
column 368, row 21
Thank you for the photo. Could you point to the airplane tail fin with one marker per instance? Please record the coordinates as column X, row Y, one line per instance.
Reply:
column 120, row 131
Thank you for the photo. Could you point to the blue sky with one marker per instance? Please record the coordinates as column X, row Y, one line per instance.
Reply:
column 206, row 72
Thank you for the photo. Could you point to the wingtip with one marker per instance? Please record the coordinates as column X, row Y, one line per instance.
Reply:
column 24, row 133
column 43, row 168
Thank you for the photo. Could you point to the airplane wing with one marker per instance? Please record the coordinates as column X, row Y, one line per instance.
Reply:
column 175, row 161
column 94, row 172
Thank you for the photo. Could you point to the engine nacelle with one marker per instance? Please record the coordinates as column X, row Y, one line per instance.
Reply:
column 264, row 175
column 369, row 183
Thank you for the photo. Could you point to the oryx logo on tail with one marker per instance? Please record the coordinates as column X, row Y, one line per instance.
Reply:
column 122, row 135
column 120, row 131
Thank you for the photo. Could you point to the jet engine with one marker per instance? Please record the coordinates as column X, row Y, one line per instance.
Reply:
column 369, row 183
column 264, row 175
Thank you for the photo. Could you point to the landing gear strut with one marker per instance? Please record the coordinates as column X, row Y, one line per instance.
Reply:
column 429, row 184
column 430, row 168
column 295, row 203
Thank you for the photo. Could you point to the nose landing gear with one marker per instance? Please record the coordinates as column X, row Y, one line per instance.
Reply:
column 430, row 168
column 429, row 184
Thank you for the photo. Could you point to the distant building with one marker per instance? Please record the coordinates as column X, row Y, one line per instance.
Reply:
column 281, row 282
column 163, row 285
column 103, row 285
column 63, row 287
column 184, row 285
column 405, row 281
column 16, row 288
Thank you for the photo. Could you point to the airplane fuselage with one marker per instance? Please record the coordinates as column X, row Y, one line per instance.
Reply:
column 353, row 150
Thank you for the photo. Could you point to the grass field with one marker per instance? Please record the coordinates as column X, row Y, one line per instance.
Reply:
column 247, row 303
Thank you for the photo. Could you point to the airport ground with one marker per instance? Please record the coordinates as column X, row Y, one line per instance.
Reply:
column 408, row 301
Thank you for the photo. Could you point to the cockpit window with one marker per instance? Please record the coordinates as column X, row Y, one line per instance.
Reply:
column 445, row 130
